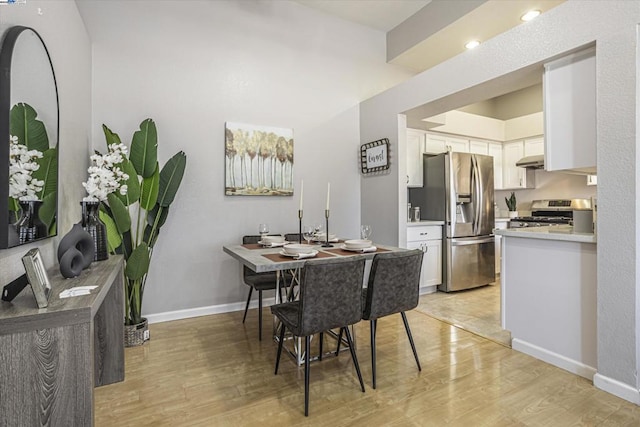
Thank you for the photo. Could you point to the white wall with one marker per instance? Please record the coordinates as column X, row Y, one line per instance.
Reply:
column 191, row 66
column 475, row 75
column 62, row 30
column 549, row 185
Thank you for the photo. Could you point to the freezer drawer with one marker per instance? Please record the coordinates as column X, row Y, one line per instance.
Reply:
column 468, row 263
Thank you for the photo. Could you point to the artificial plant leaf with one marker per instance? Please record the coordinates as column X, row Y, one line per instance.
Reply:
column 30, row 131
column 138, row 262
column 127, row 244
column 144, row 149
column 133, row 185
column 149, row 190
column 113, row 237
column 120, row 213
column 47, row 172
column 47, row 212
column 147, row 235
column 170, row 178
column 151, row 218
column 112, row 138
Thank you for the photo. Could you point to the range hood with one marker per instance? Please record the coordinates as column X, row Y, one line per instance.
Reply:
column 531, row 162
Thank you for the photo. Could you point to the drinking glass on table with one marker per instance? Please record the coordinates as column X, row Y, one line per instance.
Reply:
column 308, row 232
column 263, row 229
column 318, row 230
column 365, row 231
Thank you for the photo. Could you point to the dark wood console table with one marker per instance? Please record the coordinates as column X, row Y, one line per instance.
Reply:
column 52, row 358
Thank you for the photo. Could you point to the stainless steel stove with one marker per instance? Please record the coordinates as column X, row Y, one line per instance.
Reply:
column 550, row 212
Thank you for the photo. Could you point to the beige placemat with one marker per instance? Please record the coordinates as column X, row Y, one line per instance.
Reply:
column 282, row 258
column 342, row 252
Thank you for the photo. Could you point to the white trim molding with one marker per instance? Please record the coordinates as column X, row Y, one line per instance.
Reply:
column 555, row 359
column 205, row 311
column 617, row 388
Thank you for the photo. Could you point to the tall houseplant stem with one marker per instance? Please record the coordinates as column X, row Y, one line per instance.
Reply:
column 152, row 189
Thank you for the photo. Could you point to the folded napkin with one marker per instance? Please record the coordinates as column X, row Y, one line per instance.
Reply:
column 370, row 249
column 303, row 256
column 324, row 239
column 77, row 291
column 275, row 244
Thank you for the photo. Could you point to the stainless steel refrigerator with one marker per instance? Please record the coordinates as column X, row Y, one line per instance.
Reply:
column 458, row 189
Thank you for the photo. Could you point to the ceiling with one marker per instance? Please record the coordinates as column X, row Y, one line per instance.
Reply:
column 430, row 32
column 382, row 15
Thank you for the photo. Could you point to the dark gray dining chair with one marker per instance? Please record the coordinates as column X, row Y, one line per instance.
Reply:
column 260, row 282
column 330, row 297
column 394, row 285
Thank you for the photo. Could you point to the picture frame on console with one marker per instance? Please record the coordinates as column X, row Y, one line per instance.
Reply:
column 37, row 277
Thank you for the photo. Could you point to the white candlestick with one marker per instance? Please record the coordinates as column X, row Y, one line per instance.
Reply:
column 328, row 193
column 301, row 192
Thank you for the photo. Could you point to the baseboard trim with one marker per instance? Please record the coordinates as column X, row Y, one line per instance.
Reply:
column 555, row 359
column 428, row 289
column 205, row 311
column 617, row 388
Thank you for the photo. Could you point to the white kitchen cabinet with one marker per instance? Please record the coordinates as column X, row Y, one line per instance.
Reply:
column 457, row 145
column 514, row 177
column 495, row 150
column 592, row 179
column 478, row 147
column 415, row 148
column 569, row 86
column 534, row 146
column 435, row 144
column 427, row 238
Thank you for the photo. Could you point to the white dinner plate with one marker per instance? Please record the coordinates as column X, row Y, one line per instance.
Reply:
column 307, row 255
column 356, row 249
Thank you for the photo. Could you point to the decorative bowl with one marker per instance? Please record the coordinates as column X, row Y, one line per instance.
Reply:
column 357, row 244
column 297, row 248
column 272, row 239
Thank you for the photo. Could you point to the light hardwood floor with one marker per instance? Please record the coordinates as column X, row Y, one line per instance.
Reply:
column 213, row 371
column 476, row 310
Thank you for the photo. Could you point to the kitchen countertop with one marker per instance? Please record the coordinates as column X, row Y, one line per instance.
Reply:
column 424, row 222
column 560, row 232
column 503, row 219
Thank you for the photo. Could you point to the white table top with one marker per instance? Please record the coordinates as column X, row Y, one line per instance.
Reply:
column 254, row 259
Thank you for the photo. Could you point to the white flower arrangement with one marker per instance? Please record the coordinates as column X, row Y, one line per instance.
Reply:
column 22, row 164
column 105, row 177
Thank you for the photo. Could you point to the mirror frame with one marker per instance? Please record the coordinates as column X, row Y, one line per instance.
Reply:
column 6, row 56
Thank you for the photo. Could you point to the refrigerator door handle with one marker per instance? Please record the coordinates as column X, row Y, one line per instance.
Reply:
column 477, row 196
column 472, row 241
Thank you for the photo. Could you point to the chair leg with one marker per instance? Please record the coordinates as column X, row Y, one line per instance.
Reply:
column 320, row 345
column 246, row 308
column 307, row 350
column 372, row 328
column 339, row 342
column 413, row 347
column 354, row 357
column 260, row 315
column 282, row 329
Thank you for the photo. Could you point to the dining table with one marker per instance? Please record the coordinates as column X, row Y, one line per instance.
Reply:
column 261, row 259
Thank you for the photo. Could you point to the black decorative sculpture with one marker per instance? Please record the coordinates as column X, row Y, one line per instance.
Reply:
column 75, row 252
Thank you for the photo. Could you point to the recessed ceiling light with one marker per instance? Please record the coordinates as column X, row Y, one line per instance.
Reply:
column 530, row 15
column 472, row 44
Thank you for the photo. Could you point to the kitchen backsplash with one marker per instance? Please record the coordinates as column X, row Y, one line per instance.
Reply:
column 549, row 185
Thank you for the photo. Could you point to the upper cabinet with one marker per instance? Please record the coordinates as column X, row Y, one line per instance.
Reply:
column 415, row 148
column 569, row 85
column 437, row 144
column 514, row 177
column 495, row 149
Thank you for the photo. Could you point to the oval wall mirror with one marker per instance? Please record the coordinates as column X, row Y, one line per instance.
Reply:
column 29, row 127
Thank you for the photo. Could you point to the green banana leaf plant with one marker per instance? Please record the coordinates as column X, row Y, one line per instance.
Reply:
column 133, row 220
column 24, row 124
